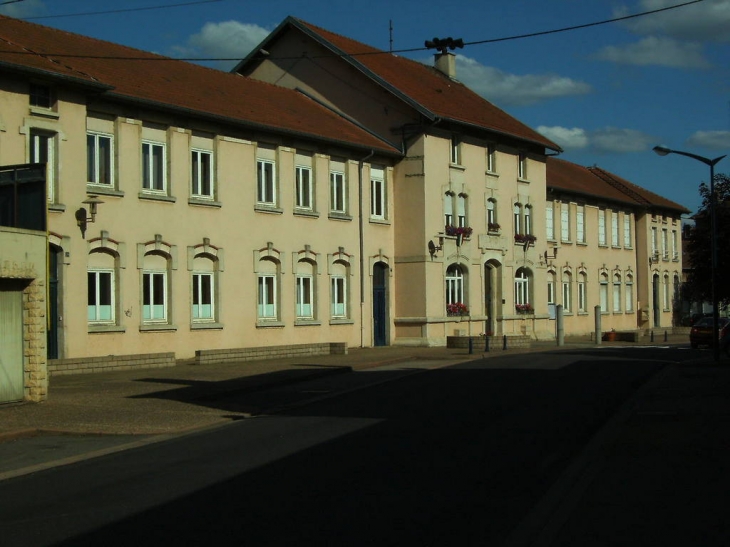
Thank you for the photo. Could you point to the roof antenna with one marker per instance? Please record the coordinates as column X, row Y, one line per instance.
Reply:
column 391, row 35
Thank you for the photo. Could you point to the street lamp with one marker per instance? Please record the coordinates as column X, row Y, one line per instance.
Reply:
column 663, row 151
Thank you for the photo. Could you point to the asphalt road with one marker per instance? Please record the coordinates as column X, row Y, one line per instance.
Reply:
column 451, row 456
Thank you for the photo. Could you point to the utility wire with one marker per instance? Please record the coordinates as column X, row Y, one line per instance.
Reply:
column 117, row 10
column 360, row 54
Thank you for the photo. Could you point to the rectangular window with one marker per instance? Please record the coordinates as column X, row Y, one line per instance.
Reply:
column 266, row 187
column 41, row 96
column 564, row 222
column 629, row 296
column 522, row 167
column 567, row 301
column 582, row 302
column 377, row 194
column 99, row 159
column 338, row 203
column 675, row 252
column 267, row 297
column 616, row 296
column 304, row 297
column 338, row 297
column 42, row 151
column 448, row 209
column 203, row 297
column 549, row 223
column 665, row 244
column 201, row 162
column 461, row 210
column 491, row 159
column 154, row 296
column 580, row 226
column 614, row 229
column 304, row 188
column 153, row 167
column 601, row 227
column 100, row 287
column 455, row 150
column 627, row 230
column 551, row 292
column 604, row 295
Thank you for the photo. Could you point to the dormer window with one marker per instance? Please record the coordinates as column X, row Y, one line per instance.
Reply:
column 41, row 96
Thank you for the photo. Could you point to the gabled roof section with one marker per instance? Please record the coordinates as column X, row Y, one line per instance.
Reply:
column 598, row 183
column 127, row 74
column 424, row 88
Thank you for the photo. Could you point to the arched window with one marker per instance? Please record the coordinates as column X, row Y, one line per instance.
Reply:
column 305, row 290
column 268, row 289
column 492, row 225
column 666, row 292
column 338, row 289
column 551, row 287
column 528, row 220
column 101, row 288
column 522, row 290
column 461, row 209
column 582, row 293
column 155, row 288
column 603, row 292
column 204, row 308
column 567, row 292
column 616, row 293
column 448, row 209
column 455, row 290
column 629, row 292
column 517, row 215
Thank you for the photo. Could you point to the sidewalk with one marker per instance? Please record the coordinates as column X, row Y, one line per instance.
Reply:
column 656, row 474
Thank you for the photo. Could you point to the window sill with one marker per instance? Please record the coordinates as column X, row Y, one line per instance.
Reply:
column 271, row 209
column 101, row 329
column 492, row 174
column 44, row 112
column 338, row 216
column 520, row 179
column 103, row 191
column 566, row 242
column 307, row 323
column 206, row 326
column 264, row 324
column 203, row 202
column 156, row 197
column 457, row 166
column 56, row 207
column 581, row 243
column 381, row 221
column 151, row 327
column 306, row 213
column 342, row 322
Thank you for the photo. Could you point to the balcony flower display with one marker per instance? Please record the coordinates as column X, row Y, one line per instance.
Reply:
column 463, row 231
column 492, row 227
column 524, row 308
column 525, row 238
column 457, row 308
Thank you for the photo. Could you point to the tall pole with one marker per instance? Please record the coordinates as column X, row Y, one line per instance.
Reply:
column 663, row 151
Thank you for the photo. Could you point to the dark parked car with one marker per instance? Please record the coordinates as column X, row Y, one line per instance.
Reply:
column 701, row 332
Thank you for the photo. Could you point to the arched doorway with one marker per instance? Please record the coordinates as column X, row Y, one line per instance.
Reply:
column 492, row 293
column 380, row 304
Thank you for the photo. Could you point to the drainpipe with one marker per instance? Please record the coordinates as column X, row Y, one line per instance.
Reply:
column 362, row 246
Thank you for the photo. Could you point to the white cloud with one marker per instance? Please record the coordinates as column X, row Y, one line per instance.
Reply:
column 568, row 138
column 615, row 139
column 704, row 21
column 512, row 89
column 713, row 140
column 26, row 8
column 654, row 50
column 227, row 39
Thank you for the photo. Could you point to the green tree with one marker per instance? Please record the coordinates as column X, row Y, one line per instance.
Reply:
column 700, row 244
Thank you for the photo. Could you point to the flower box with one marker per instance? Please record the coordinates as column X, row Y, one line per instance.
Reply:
column 524, row 308
column 525, row 238
column 456, row 309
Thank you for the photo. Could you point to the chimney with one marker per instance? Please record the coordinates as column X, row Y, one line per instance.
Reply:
column 446, row 63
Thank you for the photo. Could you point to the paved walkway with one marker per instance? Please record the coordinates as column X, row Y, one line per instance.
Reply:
column 656, row 474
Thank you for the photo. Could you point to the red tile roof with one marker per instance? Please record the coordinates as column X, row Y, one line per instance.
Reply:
column 426, row 87
column 131, row 74
column 599, row 183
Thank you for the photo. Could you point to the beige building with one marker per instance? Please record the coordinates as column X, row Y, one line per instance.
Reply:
column 363, row 200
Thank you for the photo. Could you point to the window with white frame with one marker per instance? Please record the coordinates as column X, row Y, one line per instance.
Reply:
column 266, row 182
column 665, row 292
column 303, row 176
column 492, row 225
column 517, row 216
column 528, row 219
column 564, row 222
column 567, row 292
column 203, row 297
column 491, row 158
column 627, row 231
column 551, row 287
column 378, row 193
column 582, row 294
column 448, row 209
column 454, row 285
column 100, row 302
column 99, row 159
column 41, row 96
column 675, row 251
column 455, row 150
column 201, row 162
column 42, row 150
column 338, row 296
column 614, row 229
column 602, row 227
column 154, row 296
column 603, row 293
column 580, row 224
column 549, row 221
column 654, row 242
column 305, row 296
column 154, row 172
column 616, row 293
column 629, row 293
column 338, row 192
column 522, row 287
column 461, row 208
column 522, row 167
column 665, row 244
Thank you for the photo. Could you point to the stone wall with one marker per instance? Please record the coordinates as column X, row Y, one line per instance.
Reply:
column 110, row 363
column 495, row 342
column 274, row 352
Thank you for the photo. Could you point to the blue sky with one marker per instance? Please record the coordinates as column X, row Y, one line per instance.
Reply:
column 607, row 93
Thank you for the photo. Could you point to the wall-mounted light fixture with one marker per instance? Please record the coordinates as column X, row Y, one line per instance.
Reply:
column 81, row 213
column 554, row 255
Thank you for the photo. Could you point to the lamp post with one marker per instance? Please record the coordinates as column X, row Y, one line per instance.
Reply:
column 663, row 151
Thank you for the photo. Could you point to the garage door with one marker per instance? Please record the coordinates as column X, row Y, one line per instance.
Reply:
column 11, row 343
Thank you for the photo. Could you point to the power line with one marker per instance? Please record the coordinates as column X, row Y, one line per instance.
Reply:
column 360, row 54
column 165, row 6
